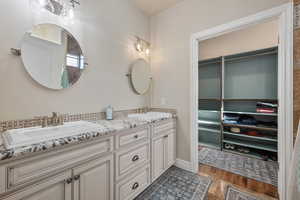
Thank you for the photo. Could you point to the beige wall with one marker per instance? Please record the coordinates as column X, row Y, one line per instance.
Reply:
column 106, row 31
column 170, row 36
column 259, row 36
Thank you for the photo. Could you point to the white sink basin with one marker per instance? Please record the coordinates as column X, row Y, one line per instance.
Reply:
column 28, row 136
column 150, row 116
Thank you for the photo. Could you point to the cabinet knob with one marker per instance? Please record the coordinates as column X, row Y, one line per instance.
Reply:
column 136, row 136
column 135, row 158
column 166, row 136
column 135, row 186
column 77, row 177
column 69, row 180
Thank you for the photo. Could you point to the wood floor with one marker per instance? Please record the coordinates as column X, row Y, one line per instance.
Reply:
column 221, row 179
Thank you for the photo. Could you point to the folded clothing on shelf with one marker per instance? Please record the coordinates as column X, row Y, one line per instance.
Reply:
column 231, row 118
column 266, row 104
column 264, row 107
column 239, row 119
column 254, row 133
column 247, row 120
column 266, row 110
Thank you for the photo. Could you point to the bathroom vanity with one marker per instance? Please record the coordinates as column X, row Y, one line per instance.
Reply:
column 81, row 157
column 116, row 165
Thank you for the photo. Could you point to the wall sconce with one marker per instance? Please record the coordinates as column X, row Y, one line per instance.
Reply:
column 142, row 46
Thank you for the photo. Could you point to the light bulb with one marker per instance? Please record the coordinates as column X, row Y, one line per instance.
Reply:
column 139, row 47
column 147, row 51
column 71, row 14
column 42, row 3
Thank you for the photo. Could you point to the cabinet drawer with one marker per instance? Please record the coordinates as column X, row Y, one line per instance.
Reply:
column 132, row 137
column 34, row 169
column 164, row 126
column 130, row 159
column 133, row 185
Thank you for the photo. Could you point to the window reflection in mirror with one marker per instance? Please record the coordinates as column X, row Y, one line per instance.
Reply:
column 52, row 56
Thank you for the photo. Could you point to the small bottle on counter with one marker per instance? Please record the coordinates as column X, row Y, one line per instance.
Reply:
column 109, row 113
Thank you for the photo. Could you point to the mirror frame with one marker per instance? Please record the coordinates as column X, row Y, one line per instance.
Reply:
column 85, row 64
column 132, row 82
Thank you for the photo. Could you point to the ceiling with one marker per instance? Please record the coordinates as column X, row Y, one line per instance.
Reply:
column 152, row 7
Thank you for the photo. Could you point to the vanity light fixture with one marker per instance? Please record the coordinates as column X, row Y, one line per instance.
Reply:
column 74, row 3
column 142, row 46
column 57, row 7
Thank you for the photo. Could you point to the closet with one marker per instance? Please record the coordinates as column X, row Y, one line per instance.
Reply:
column 238, row 103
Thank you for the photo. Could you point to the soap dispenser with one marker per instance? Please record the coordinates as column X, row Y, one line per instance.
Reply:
column 109, row 113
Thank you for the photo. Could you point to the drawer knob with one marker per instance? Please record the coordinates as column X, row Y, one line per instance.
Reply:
column 69, row 180
column 136, row 136
column 135, row 186
column 77, row 177
column 135, row 158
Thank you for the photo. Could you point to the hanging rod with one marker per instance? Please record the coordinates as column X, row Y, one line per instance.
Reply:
column 208, row 63
column 251, row 56
column 238, row 58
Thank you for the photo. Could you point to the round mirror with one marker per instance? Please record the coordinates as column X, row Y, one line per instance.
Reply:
column 52, row 56
column 140, row 76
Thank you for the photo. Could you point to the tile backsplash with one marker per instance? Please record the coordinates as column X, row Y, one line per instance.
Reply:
column 37, row 121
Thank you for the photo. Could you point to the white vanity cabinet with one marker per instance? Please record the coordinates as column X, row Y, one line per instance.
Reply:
column 94, row 180
column 85, row 171
column 163, row 147
column 115, row 167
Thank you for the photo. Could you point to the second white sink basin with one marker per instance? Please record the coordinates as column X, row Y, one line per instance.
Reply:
column 28, row 136
column 150, row 116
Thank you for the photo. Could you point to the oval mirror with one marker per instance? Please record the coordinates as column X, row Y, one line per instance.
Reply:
column 140, row 76
column 52, row 56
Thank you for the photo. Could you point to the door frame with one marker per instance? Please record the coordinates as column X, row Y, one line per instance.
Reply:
column 285, row 83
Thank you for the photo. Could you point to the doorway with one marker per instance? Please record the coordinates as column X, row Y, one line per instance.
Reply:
column 284, row 90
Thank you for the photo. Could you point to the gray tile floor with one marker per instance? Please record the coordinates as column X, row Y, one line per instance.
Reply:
column 177, row 184
column 263, row 171
column 235, row 194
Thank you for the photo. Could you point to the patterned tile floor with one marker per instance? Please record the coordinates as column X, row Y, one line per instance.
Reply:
column 235, row 194
column 177, row 184
column 259, row 170
column 210, row 184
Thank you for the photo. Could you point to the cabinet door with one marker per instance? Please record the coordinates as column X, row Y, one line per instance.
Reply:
column 54, row 192
column 94, row 180
column 170, row 151
column 158, row 148
column 54, row 188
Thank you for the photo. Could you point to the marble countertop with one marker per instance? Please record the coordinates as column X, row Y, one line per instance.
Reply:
column 111, row 127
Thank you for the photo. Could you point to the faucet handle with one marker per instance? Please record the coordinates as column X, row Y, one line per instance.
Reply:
column 44, row 122
column 61, row 120
column 54, row 114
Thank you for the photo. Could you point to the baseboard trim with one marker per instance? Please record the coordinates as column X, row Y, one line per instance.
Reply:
column 183, row 164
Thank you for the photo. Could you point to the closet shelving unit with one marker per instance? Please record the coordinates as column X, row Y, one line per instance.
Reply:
column 232, row 85
column 209, row 123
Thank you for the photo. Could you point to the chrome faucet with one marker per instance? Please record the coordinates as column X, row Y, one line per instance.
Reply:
column 44, row 122
column 56, row 120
